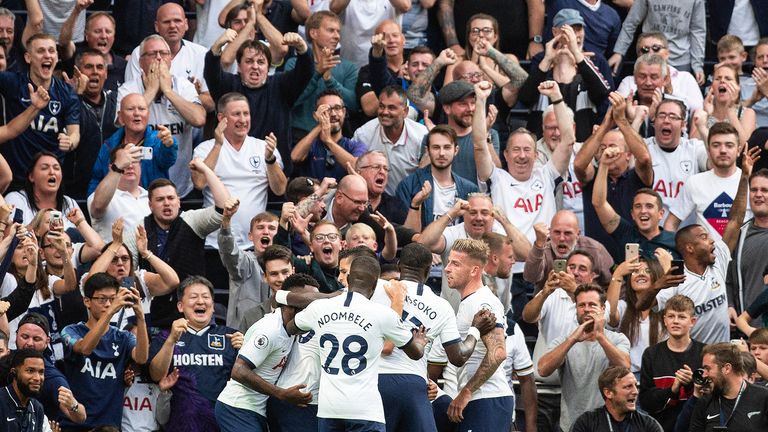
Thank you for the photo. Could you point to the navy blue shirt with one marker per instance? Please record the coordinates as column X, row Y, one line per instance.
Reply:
column 620, row 196
column 16, row 418
column 96, row 380
column 43, row 134
column 49, row 396
column 627, row 232
column 321, row 163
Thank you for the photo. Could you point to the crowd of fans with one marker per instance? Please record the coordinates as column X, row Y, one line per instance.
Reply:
column 397, row 215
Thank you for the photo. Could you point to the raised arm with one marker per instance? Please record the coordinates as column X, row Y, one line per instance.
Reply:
column 275, row 175
column 66, row 46
column 107, row 187
column 164, row 279
column 39, row 100
column 88, row 343
column 420, row 90
column 562, row 154
column 458, row 353
column 532, row 309
column 483, row 159
column 520, row 243
column 432, row 236
column 199, row 178
column 193, row 113
column 448, row 25
column 218, row 190
column 161, row 362
column 635, row 143
column 582, row 164
column 609, row 219
column 739, row 208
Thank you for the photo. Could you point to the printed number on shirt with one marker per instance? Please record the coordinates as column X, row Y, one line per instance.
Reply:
column 353, row 361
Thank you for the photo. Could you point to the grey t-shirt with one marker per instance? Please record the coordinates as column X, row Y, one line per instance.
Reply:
column 578, row 376
column 753, row 263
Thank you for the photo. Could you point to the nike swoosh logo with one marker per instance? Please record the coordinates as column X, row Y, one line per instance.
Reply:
column 10, row 419
column 26, row 100
column 709, row 417
column 753, row 413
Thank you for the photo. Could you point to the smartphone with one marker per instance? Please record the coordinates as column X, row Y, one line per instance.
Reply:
column 128, row 282
column 146, row 153
column 559, row 265
column 631, row 251
column 54, row 219
column 18, row 216
column 679, row 264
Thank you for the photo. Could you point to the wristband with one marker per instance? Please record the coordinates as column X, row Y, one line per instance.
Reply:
column 473, row 331
column 281, row 297
column 274, row 159
column 75, row 407
column 149, row 255
column 556, row 102
column 449, row 217
column 77, row 224
column 417, row 208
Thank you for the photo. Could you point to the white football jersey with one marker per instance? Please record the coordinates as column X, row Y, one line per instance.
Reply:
column 422, row 307
column 351, row 330
column 303, row 366
column 671, row 169
column 526, row 203
column 496, row 385
column 265, row 348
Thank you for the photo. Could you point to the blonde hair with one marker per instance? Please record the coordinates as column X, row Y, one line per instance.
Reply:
column 474, row 249
column 359, row 228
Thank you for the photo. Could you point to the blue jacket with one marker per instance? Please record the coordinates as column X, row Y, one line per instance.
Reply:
column 720, row 12
column 162, row 159
column 411, row 185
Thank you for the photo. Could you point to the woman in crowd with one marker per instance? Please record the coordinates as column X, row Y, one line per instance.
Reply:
column 723, row 104
column 117, row 261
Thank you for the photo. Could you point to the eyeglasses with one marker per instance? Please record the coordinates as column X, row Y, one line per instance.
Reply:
column 469, row 76
column 121, row 258
column 376, row 168
column 670, row 116
column 103, row 300
column 337, row 108
column 354, row 201
column 655, row 48
column 162, row 53
column 322, row 237
column 487, row 31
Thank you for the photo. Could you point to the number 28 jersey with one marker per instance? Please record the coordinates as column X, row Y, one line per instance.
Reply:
column 351, row 331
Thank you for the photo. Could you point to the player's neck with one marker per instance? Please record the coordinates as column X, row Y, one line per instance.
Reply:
column 410, row 275
column 761, row 221
column 734, row 387
column 696, row 266
column 45, row 199
column 23, row 400
column 37, row 81
column 679, row 343
column 724, row 172
column 395, row 62
column 133, row 137
column 442, row 176
column 471, row 287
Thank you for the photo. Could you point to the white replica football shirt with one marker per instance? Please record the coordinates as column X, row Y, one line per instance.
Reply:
column 265, row 349
column 244, row 173
column 351, row 330
column 303, row 365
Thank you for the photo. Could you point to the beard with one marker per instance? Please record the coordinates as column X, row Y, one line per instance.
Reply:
column 25, row 389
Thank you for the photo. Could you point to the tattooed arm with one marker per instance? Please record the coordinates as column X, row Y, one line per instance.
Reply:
column 513, row 78
column 447, row 23
column 420, row 90
column 495, row 355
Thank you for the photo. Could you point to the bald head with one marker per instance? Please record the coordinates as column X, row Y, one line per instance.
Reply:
column 171, row 23
column 353, row 184
column 564, row 232
column 387, row 26
column 466, row 67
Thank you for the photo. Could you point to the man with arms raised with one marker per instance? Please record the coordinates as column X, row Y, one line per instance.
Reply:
column 350, row 399
column 618, row 387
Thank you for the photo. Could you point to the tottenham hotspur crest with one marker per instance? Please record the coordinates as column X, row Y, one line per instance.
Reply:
column 54, row 107
column 255, row 162
column 216, row 342
column 686, row 166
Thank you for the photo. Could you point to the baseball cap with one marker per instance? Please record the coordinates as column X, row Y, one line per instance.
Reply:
column 455, row 91
column 36, row 319
column 567, row 16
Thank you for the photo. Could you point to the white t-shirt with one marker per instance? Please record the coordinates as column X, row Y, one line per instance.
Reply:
column 518, row 358
column 422, row 307
column 496, row 385
column 351, row 331
column 403, row 155
column 572, row 191
column 265, row 347
column 709, row 297
column 438, row 356
column 19, row 200
column 360, row 19
column 443, row 199
column 711, row 197
column 123, row 205
column 303, row 366
column 244, row 173
column 162, row 112
column 526, row 203
column 187, row 63
column 208, row 28
column 672, row 169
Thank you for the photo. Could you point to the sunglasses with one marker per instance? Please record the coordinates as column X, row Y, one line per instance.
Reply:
column 655, row 48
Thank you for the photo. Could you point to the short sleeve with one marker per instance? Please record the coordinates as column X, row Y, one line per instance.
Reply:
column 128, row 341
column 450, row 332
column 394, row 329
column 554, row 343
column 156, row 345
column 259, row 343
column 684, row 204
column 700, row 151
column 517, row 353
column 203, row 149
column 437, row 354
column 187, row 91
column 69, row 336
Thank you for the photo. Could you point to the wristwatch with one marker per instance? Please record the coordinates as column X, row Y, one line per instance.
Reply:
column 116, row 169
column 537, row 39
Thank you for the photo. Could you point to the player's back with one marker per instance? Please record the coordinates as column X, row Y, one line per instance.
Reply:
column 351, row 331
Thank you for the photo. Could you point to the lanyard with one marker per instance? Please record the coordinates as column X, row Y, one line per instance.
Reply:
column 735, row 404
column 610, row 423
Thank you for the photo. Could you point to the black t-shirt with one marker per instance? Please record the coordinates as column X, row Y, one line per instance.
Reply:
column 750, row 415
column 597, row 421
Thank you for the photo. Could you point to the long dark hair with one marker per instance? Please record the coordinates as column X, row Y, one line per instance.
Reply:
column 630, row 322
column 41, row 280
column 29, row 187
